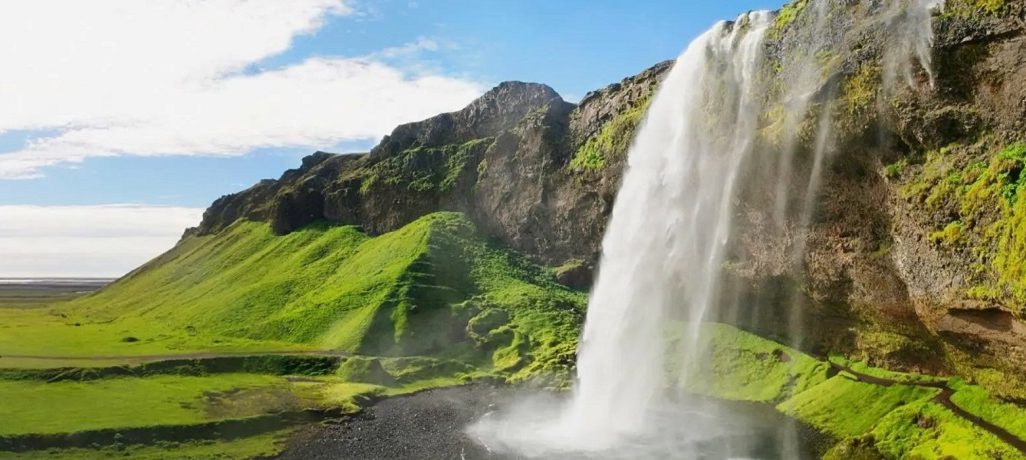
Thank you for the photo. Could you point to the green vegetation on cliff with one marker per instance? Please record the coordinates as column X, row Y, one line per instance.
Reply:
column 972, row 8
column 987, row 218
column 787, row 15
column 423, row 168
column 614, row 138
column 923, row 430
column 746, row 367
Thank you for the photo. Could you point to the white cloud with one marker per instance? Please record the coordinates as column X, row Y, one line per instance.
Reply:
column 414, row 47
column 106, row 240
column 169, row 77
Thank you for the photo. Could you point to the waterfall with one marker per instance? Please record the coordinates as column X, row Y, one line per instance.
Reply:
column 670, row 225
column 909, row 27
column 695, row 154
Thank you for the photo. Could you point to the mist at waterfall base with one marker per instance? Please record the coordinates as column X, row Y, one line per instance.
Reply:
column 696, row 156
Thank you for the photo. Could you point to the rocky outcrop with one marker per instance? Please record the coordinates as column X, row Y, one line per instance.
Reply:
column 503, row 160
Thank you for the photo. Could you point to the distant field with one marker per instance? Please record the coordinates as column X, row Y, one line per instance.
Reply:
column 35, row 292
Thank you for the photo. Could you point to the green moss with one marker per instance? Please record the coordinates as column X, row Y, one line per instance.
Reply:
column 860, row 90
column 828, row 61
column 569, row 266
column 882, row 250
column 613, row 139
column 426, row 169
column 482, row 167
column 991, row 219
column 870, row 420
column 881, row 343
column 1013, row 159
column 902, row 377
column 969, row 9
column 950, row 236
column 746, row 367
column 845, row 407
column 978, row 401
column 404, row 374
column 895, row 170
column 413, row 369
column 486, row 328
column 854, row 449
column 365, row 370
column 786, row 16
column 368, row 183
column 926, row 430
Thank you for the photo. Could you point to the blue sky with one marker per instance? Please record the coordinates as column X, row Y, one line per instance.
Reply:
column 174, row 103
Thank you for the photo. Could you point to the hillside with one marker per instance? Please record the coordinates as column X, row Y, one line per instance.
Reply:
column 432, row 288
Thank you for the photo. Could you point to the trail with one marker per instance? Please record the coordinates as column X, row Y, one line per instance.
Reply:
column 944, row 399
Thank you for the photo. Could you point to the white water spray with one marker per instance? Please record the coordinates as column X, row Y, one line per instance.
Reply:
column 911, row 37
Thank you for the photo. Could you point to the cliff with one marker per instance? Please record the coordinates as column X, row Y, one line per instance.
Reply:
column 533, row 171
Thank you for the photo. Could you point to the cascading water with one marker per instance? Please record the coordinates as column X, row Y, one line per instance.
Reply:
column 670, row 226
column 669, row 236
column 908, row 24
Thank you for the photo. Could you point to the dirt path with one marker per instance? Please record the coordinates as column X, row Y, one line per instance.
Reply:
column 944, row 399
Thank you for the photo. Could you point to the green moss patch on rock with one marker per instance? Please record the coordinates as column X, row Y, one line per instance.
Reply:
column 845, row 407
column 746, row 367
column 786, row 16
column 984, row 219
column 612, row 140
column 426, row 169
column 972, row 8
column 927, row 430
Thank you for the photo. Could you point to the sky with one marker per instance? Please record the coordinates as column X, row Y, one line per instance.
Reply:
column 121, row 120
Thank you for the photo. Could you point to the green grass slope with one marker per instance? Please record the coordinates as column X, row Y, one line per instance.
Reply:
column 867, row 420
column 433, row 288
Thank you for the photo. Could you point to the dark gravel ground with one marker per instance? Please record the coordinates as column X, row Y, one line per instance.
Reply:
column 431, row 425
column 427, row 425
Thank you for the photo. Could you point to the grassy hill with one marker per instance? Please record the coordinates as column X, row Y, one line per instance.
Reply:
column 432, row 288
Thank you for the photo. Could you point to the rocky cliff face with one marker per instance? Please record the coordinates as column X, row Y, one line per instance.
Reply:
column 915, row 256
column 509, row 160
